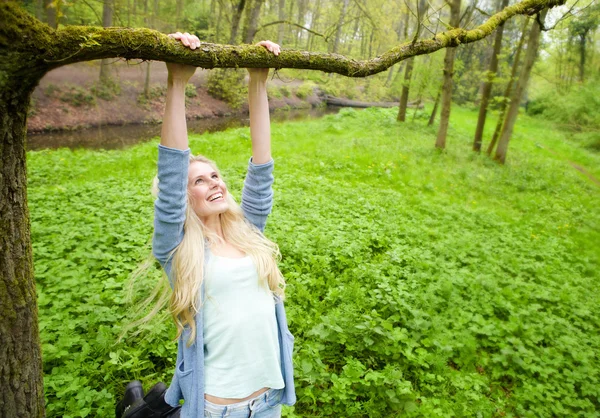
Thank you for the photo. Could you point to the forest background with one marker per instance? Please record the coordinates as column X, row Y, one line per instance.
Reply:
column 428, row 330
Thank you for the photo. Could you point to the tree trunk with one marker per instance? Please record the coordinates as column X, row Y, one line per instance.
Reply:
column 39, row 10
column 405, row 88
column 281, row 26
column 448, row 72
column 508, row 89
column 486, row 90
column 254, row 14
column 435, row 109
column 21, row 379
column 338, row 32
column 314, row 23
column 50, row 14
column 582, row 40
column 107, row 12
column 179, row 6
column 235, row 21
column 147, row 81
column 513, row 110
column 300, row 20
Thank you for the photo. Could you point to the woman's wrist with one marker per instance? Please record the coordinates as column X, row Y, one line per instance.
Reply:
column 176, row 83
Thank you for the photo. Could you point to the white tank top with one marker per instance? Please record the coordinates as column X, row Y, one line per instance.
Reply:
column 241, row 344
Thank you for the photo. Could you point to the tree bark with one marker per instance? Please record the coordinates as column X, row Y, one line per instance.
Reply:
column 582, row 41
column 338, row 32
column 107, row 12
column 508, row 90
column 422, row 7
column 488, row 84
column 50, row 14
column 435, row 109
column 22, row 392
column 235, row 21
column 513, row 110
column 281, row 27
column 405, row 89
column 179, row 6
column 254, row 14
column 448, row 73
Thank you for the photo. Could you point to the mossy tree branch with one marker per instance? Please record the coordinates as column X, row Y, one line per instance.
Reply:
column 23, row 33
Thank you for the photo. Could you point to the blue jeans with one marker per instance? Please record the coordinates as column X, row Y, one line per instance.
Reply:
column 266, row 405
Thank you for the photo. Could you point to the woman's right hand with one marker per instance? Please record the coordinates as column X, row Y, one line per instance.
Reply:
column 183, row 72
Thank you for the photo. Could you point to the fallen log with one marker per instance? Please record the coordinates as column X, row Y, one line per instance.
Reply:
column 338, row 101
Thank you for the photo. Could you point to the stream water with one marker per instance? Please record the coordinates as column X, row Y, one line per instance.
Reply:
column 115, row 137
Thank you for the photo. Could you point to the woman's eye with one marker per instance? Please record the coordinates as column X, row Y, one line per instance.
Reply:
column 198, row 181
column 215, row 176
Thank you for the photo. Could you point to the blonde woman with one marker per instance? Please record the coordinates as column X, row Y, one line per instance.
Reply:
column 234, row 354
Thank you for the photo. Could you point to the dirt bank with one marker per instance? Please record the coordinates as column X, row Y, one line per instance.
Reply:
column 67, row 98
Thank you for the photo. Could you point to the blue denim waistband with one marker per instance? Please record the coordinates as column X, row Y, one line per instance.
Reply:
column 270, row 397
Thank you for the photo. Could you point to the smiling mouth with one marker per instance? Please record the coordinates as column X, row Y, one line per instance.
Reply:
column 215, row 196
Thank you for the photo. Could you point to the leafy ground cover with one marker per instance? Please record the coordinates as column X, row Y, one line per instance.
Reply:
column 420, row 283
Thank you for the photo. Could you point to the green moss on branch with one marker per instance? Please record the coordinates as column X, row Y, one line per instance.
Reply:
column 78, row 43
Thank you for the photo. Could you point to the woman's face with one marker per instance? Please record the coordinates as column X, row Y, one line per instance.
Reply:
column 207, row 189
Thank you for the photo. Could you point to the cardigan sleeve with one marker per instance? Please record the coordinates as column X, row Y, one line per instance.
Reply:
column 170, row 205
column 257, row 194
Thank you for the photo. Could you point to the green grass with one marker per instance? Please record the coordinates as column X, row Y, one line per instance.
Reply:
column 420, row 283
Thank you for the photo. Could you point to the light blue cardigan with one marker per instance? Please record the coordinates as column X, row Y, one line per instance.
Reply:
column 169, row 217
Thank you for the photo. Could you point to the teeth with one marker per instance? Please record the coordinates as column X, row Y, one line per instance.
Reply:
column 216, row 196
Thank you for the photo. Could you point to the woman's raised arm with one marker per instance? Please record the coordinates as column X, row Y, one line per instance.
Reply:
column 174, row 128
column 260, row 129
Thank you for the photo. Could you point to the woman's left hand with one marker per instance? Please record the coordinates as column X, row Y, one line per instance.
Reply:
column 260, row 74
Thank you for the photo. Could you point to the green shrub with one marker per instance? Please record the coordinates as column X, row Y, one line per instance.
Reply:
column 77, row 96
column 579, row 109
column 153, row 93
column 306, row 89
column 190, row 90
column 51, row 90
column 228, row 84
column 273, row 92
column 106, row 90
column 285, row 91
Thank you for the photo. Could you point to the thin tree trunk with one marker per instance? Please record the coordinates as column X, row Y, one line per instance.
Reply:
column 50, row 14
column 39, row 9
column 281, row 26
column 422, row 7
column 235, row 21
column 435, row 109
column 338, row 32
column 107, row 12
column 253, row 21
column 218, row 24
column 513, row 110
column 22, row 393
column 582, row 40
column 147, row 81
column 488, row 84
column 390, row 76
column 179, row 6
column 407, row 72
column 314, row 24
column 300, row 20
column 508, row 89
column 448, row 72
column 405, row 89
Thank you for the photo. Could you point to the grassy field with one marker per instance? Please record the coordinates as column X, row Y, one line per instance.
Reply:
column 420, row 283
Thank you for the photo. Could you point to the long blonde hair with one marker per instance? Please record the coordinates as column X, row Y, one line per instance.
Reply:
column 187, row 272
